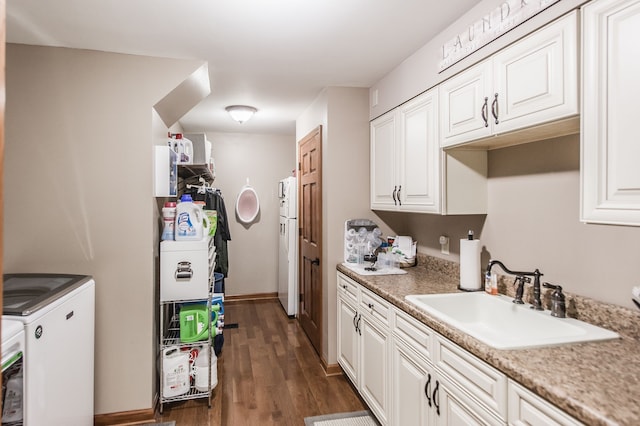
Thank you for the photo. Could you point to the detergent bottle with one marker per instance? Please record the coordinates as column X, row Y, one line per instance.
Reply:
column 201, row 369
column 191, row 222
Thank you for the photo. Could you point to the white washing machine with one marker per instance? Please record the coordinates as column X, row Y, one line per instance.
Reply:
column 58, row 315
column 12, row 371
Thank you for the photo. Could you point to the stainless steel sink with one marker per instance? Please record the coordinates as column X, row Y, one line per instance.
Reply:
column 501, row 324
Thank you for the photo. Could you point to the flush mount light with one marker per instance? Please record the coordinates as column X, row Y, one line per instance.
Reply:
column 241, row 113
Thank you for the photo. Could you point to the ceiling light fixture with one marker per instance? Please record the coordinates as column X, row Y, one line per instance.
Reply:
column 241, row 113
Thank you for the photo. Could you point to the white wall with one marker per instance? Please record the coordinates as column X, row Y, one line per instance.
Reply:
column 253, row 249
column 78, row 194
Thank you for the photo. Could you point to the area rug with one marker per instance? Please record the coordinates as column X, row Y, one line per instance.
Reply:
column 358, row 418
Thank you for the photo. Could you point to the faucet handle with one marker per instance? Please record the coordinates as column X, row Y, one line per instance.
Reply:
column 520, row 281
column 558, row 306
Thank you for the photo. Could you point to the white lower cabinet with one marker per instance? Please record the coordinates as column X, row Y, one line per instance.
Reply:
column 528, row 409
column 374, row 367
column 410, row 375
column 363, row 344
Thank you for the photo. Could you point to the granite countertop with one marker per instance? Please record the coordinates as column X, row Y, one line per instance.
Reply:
column 597, row 383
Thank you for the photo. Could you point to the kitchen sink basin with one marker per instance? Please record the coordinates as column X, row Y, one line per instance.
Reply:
column 502, row 324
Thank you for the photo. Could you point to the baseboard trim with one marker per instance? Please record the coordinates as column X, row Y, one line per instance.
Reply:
column 331, row 369
column 246, row 297
column 126, row 417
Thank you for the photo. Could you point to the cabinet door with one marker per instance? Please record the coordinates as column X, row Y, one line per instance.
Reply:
column 419, row 154
column 528, row 409
column 609, row 146
column 465, row 106
column 384, row 185
column 412, row 385
column 536, row 79
column 348, row 339
column 374, row 367
column 452, row 411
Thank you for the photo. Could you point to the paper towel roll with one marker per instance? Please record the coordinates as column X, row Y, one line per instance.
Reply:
column 470, row 265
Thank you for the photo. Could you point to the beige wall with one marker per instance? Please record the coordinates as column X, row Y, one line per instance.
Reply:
column 343, row 113
column 419, row 72
column 253, row 249
column 78, row 194
column 532, row 222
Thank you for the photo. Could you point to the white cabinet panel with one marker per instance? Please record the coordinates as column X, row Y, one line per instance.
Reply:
column 419, row 165
column 412, row 385
column 536, row 79
column 347, row 339
column 485, row 383
column 383, row 161
column 528, row 409
column 530, row 83
column 374, row 385
column 464, row 105
column 611, row 65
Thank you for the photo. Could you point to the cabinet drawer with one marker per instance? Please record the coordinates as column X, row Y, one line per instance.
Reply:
column 414, row 333
column 375, row 306
column 526, row 408
column 347, row 288
column 483, row 382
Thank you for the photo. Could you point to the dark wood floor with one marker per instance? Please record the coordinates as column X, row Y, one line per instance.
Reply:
column 270, row 375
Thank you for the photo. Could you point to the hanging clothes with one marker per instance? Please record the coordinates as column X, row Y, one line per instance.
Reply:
column 214, row 200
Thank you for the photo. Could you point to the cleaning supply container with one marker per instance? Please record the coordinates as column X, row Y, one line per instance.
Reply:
column 201, row 370
column 169, row 219
column 194, row 323
column 175, row 372
column 191, row 222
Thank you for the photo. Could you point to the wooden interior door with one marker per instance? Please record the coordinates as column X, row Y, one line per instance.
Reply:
column 310, row 223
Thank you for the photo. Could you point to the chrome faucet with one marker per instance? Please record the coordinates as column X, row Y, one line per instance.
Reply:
column 521, row 279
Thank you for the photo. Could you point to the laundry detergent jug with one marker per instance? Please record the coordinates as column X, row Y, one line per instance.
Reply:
column 175, row 372
column 194, row 323
column 201, row 370
column 191, row 222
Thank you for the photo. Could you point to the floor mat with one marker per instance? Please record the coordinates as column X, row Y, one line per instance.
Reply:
column 358, row 418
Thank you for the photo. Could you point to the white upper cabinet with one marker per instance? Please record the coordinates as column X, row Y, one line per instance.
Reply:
column 464, row 105
column 610, row 176
column 405, row 157
column 384, row 182
column 530, row 83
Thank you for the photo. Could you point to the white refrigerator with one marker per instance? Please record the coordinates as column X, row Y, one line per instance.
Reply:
column 288, row 246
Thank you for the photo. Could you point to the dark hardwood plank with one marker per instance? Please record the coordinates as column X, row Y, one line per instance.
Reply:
column 269, row 375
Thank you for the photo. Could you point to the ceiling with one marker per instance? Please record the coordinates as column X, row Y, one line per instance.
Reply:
column 275, row 55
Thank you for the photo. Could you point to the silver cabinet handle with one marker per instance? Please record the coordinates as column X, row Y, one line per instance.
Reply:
column 395, row 189
column 494, row 107
column 399, row 201
column 485, row 111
